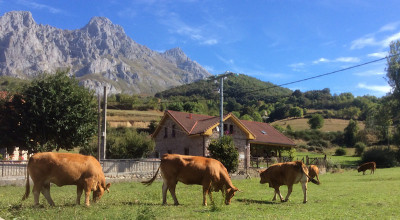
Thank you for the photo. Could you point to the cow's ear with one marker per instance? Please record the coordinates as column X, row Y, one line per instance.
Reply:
column 108, row 187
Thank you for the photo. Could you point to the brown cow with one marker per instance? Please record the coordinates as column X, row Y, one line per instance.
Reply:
column 313, row 171
column 367, row 166
column 288, row 174
column 208, row 172
column 65, row 169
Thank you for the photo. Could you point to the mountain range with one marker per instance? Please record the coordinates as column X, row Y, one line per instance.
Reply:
column 98, row 54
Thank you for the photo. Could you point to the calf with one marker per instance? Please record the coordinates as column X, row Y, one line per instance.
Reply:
column 288, row 173
column 65, row 169
column 367, row 166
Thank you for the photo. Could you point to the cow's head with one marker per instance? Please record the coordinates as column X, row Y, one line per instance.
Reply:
column 359, row 169
column 230, row 192
column 98, row 191
column 264, row 176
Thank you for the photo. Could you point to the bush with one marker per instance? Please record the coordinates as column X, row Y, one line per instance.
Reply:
column 340, row 152
column 224, row 150
column 382, row 156
column 318, row 143
column 127, row 143
column 360, row 147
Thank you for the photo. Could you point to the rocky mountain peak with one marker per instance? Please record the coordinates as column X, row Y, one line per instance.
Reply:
column 99, row 54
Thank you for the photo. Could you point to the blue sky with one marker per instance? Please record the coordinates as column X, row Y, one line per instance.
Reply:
column 273, row 40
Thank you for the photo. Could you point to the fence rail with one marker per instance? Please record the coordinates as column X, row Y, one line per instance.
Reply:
column 128, row 166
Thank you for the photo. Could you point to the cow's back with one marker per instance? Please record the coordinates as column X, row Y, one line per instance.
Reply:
column 63, row 168
column 284, row 173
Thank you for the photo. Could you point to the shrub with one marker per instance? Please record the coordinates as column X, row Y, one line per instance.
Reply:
column 382, row 156
column 318, row 143
column 340, row 152
column 224, row 150
column 360, row 147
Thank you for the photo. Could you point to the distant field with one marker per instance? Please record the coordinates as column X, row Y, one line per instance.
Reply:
column 329, row 124
column 342, row 195
column 132, row 118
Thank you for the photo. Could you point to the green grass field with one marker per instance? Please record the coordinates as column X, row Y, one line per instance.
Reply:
column 346, row 195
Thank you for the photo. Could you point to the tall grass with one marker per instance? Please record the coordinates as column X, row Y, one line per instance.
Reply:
column 347, row 195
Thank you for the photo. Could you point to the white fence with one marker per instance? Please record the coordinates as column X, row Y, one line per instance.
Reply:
column 131, row 166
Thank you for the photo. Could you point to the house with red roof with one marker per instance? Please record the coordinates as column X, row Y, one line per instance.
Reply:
column 190, row 134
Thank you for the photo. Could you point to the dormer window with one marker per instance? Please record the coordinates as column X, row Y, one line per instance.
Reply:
column 264, row 132
column 165, row 132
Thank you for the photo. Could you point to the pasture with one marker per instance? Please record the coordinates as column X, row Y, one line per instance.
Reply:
column 342, row 195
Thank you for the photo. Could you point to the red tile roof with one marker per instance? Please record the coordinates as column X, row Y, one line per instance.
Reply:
column 198, row 124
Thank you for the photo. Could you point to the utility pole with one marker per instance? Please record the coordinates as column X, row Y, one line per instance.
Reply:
column 104, row 132
column 99, row 127
column 221, row 107
column 221, row 95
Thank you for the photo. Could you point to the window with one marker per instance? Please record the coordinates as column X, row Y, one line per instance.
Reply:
column 225, row 127
column 230, row 129
column 165, row 132
column 186, row 151
column 173, row 130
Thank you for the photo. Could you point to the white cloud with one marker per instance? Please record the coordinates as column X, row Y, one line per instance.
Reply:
column 370, row 73
column 388, row 40
column 378, row 54
column 347, row 59
column 338, row 60
column 375, row 88
column 321, row 60
column 389, row 27
column 363, row 42
column 34, row 5
column 297, row 66
column 210, row 42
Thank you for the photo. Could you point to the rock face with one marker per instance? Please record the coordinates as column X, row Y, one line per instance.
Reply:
column 99, row 54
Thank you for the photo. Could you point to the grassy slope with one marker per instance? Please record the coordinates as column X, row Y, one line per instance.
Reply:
column 347, row 195
column 329, row 124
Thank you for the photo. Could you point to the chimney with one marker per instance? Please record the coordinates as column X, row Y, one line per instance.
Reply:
column 190, row 116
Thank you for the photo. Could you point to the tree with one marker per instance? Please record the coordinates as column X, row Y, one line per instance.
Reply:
column 393, row 68
column 296, row 112
column 224, row 150
column 316, row 121
column 127, row 143
column 57, row 113
column 350, row 133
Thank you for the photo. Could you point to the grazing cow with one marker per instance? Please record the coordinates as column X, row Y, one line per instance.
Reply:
column 313, row 171
column 288, row 174
column 367, row 166
column 65, row 169
column 208, row 172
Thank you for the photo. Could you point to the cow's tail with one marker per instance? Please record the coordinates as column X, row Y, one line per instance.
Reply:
column 309, row 178
column 27, row 186
column 149, row 182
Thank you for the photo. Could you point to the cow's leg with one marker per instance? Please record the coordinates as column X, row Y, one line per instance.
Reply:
column 88, row 190
column 164, row 193
column 290, row 189
column 304, row 186
column 273, row 199
column 364, row 172
column 205, row 192
column 46, row 192
column 171, row 188
column 279, row 193
column 79, row 191
column 36, row 193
